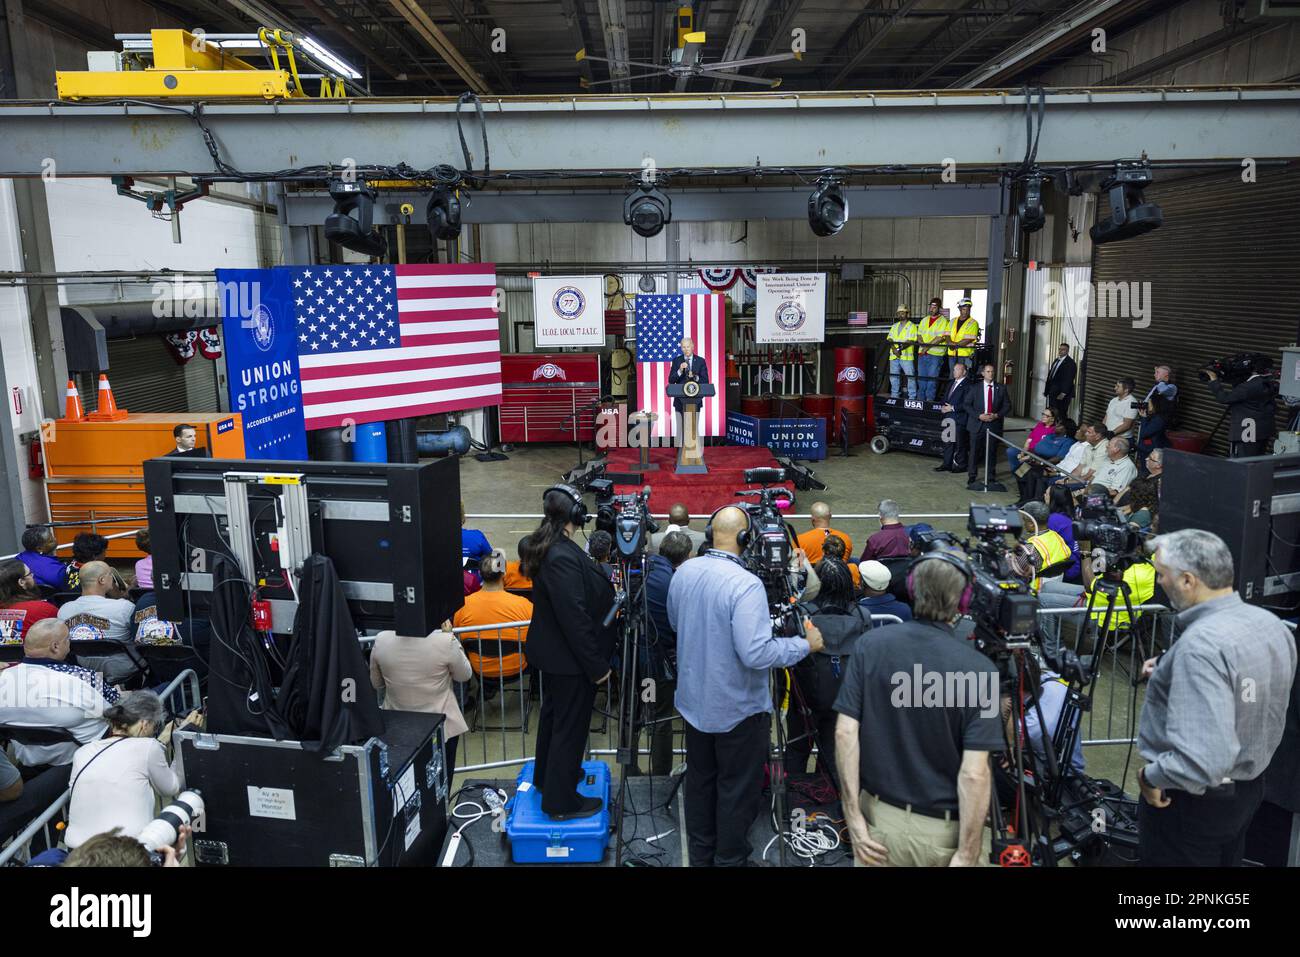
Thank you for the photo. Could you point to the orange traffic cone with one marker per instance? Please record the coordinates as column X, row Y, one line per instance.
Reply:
column 74, row 412
column 107, row 410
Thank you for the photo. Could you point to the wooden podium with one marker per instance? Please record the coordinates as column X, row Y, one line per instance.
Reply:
column 690, row 455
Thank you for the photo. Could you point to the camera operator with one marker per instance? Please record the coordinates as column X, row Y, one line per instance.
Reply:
column 725, row 648
column 923, row 768
column 817, row 678
column 1252, row 410
column 674, row 549
column 568, row 645
column 1214, row 713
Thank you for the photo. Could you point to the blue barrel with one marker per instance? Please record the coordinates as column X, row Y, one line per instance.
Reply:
column 371, row 443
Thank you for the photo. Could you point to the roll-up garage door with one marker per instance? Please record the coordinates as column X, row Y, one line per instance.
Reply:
column 146, row 377
column 1218, row 278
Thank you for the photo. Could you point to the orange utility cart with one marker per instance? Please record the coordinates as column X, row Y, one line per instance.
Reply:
column 93, row 469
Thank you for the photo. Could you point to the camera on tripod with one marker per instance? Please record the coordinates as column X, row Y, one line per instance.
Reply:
column 1237, row 368
column 1098, row 521
column 628, row 518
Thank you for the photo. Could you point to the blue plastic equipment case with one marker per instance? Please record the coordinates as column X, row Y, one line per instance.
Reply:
column 536, row 838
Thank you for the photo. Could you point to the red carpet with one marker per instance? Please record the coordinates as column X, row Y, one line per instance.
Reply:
column 700, row 494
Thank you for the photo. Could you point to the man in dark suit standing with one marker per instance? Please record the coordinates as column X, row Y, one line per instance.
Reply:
column 1059, row 388
column 953, row 398
column 986, row 406
column 686, row 367
column 187, row 438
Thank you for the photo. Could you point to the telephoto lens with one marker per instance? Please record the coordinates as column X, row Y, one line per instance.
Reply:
column 163, row 830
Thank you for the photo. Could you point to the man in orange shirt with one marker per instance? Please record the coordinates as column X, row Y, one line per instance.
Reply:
column 515, row 580
column 493, row 605
column 812, row 540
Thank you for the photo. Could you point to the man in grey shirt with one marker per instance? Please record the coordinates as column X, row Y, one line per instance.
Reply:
column 725, row 649
column 680, row 517
column 1214, row 712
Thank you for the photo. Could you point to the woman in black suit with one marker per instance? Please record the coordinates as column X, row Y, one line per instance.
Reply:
column 568, row 646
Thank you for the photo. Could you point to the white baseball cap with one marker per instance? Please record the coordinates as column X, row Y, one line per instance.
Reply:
column 875, row 575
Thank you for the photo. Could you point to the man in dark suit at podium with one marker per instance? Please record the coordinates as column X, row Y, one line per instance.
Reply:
column 986, row 405
column 685, row 367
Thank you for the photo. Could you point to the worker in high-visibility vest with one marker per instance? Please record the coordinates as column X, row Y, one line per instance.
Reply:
column 1046, row 552
column 932, row 337
column 902, row 353
column 963, row 333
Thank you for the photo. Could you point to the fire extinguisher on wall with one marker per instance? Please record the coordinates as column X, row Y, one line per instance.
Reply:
column 1008, row 368
column 35, row 460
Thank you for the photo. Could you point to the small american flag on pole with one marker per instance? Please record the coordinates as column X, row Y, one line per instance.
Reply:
column 661, row 324
column 391, row 342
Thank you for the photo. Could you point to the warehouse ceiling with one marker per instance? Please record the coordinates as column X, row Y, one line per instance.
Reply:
column 435, row 47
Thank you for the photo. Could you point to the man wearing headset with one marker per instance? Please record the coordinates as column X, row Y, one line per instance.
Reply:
column 725, row 649
column 918, row 718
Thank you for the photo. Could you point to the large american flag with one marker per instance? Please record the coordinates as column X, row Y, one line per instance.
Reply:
column 391, row 342
column 661, row 324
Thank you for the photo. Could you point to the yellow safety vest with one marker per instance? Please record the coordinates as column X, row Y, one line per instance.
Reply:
column 901, row 336
column 933, row 332
column 960, row 329
column 1052, row 549
column 1141, row 580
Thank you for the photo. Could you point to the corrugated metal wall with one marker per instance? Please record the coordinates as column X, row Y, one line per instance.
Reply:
column 1220, row 277
column 146, row 378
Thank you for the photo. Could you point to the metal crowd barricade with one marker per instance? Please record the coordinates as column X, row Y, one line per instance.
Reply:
column 186, row 684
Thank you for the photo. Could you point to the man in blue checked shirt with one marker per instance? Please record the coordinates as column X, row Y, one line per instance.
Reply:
column 725, row 648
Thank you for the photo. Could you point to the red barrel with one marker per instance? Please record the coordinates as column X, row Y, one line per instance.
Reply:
column 854, row 413
column 823, row 407
column 787, row 406
column 850, row 372
column 758, row 406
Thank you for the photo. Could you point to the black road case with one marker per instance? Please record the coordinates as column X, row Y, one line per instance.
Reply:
column 271, row 803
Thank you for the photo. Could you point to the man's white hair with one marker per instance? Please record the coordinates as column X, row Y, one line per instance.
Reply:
column 888, row 508
column 1198, row 552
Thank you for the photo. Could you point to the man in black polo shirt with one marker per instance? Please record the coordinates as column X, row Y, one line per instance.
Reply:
column 918, row 716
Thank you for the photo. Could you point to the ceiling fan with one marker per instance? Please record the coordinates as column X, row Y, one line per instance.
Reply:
column 685, row 60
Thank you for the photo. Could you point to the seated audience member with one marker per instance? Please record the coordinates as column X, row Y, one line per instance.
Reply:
column 1045, row 426
column 812, row 540
column 876, row 578
column 1142, row 497
column 21, row 605
column 474, row 545
column 38, row 554
column 43, row 690
column 1055, row 448
column 86, row 547
column 1060, row 519
column 415, row 673
column 1092, row 455
column 95, row 615
column 1039, row 734
column 1122, row 411
column 1140, row 578
column 1153, row 432
column 811, row 717
column 681, row 518
column 11, row 780
column 493, row 605
column 1119, row 469
column 674, row 549
column 116, row 849
column 116, row 780
column 891, row 541
column 144, row 566
column 834, row 548
column 801, row 571
column 599, row 546
column 514, row 578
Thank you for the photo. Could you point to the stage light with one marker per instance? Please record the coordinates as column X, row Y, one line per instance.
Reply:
column 350, row 223
column 1130, row 214
column 647, row 209
column 828, row 208
column 444, row 214
column 1030, row 211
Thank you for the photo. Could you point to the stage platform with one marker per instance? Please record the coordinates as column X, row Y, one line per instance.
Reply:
column 652, row 830
column 700, row 494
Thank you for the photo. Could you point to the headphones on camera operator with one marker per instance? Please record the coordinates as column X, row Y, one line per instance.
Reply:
column 963, row 603
column 742, row 537
column 578, row 511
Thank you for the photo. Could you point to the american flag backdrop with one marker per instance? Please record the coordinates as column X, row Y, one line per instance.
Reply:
column 661, row 324
column 391, row 342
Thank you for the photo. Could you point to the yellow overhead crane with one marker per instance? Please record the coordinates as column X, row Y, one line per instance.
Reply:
column 185, row 64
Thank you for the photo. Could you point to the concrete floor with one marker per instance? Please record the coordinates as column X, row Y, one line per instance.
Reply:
column 854, row 486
